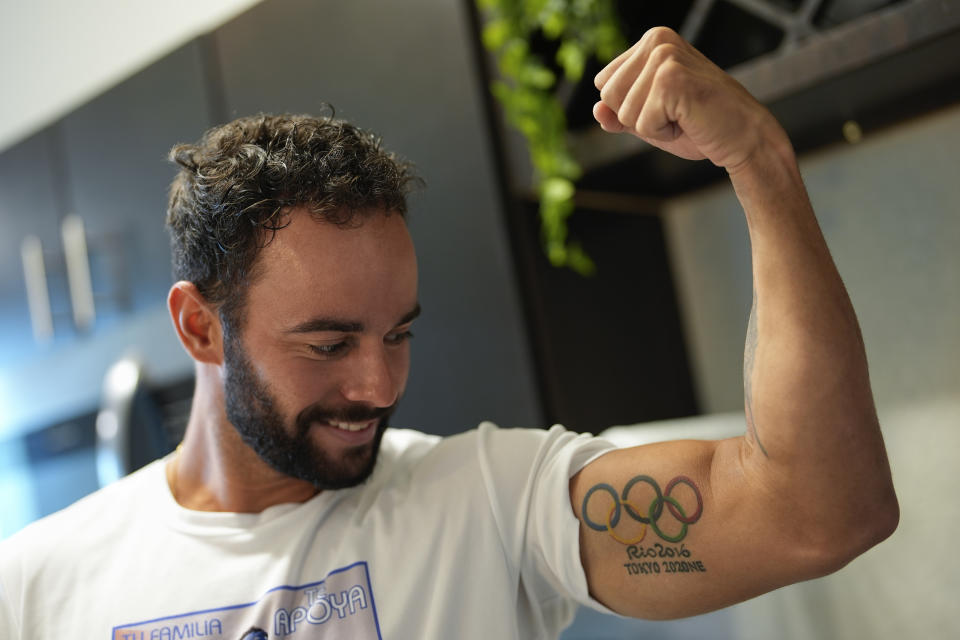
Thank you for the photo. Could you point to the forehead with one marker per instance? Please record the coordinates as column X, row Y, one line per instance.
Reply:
column 314, row 267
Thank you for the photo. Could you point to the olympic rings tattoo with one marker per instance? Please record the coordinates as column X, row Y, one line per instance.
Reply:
column 622, row 504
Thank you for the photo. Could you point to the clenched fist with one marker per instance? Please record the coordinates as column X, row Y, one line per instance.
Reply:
column 667, row 93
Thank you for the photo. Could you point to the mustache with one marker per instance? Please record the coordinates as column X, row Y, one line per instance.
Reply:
column 350, row 413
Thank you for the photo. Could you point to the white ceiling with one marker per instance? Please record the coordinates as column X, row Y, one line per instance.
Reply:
column 57, row 54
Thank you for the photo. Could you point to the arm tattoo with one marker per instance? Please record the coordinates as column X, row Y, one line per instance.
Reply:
column 749, row 352
column 640, row 507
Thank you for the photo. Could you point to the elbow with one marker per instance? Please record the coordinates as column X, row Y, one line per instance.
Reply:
column 887, row 520
column 873, row 522
column 868, row 527
column 881, row 524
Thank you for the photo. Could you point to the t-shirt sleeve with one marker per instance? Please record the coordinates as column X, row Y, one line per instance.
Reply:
column 528, row 477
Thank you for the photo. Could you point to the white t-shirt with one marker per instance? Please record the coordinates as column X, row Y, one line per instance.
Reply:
column 470, row 536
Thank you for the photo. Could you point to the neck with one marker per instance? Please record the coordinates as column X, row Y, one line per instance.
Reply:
column 214, row 470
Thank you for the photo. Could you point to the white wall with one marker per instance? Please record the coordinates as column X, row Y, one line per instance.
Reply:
column 57, row 54
column 890, row 211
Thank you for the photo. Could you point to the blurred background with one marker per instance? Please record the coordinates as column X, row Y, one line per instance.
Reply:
column 93, row 382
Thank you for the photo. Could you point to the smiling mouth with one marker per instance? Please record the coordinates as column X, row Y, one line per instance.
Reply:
column 351, row 426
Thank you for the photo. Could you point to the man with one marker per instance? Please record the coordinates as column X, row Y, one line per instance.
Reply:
column 291, row 509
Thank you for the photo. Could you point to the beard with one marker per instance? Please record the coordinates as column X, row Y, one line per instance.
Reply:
column 289, row 449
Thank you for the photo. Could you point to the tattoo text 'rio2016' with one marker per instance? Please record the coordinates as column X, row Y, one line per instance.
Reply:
column 604, row 508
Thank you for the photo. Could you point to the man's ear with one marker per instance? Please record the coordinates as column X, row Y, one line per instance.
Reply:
column 197, row 323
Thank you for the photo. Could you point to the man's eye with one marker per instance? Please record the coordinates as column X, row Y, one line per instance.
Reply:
column 327, row 349
column 399, row 338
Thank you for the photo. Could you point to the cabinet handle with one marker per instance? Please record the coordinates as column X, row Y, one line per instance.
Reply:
column 78, row 271
column 38, row 298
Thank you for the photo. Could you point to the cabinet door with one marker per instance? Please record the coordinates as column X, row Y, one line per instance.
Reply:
column 28, row 207
column 118, row 176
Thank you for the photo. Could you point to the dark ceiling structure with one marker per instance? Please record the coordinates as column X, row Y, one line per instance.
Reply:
column 818, row 64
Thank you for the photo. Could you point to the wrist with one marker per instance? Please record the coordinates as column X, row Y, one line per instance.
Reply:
column 769, row 185
column 772, row 152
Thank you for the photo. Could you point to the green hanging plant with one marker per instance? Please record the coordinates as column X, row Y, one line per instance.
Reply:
column 527, row 92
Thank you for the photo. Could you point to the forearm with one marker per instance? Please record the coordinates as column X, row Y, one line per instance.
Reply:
column 812, row 426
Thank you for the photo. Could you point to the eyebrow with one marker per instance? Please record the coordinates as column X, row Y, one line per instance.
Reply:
column 317, row 325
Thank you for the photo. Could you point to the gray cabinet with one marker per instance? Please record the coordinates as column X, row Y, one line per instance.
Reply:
column 118, row 176
column 106, row 164
column 29, row 207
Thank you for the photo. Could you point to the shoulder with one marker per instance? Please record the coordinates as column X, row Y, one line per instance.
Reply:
column 538, row 450
column 490, row 444
column 510, row 460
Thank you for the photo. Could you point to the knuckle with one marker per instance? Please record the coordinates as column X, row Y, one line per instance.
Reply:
column 659, row 35
column 672, row 75
column 663, row 53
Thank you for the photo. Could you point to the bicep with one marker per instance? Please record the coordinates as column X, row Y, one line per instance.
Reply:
column 680, row 528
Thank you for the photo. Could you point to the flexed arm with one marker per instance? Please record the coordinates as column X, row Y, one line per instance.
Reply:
column 808, row 486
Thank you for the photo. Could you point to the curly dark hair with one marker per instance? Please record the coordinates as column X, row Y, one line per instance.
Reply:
column 237, row 185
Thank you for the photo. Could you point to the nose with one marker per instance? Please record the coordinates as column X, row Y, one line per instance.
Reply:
column 369, row 379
